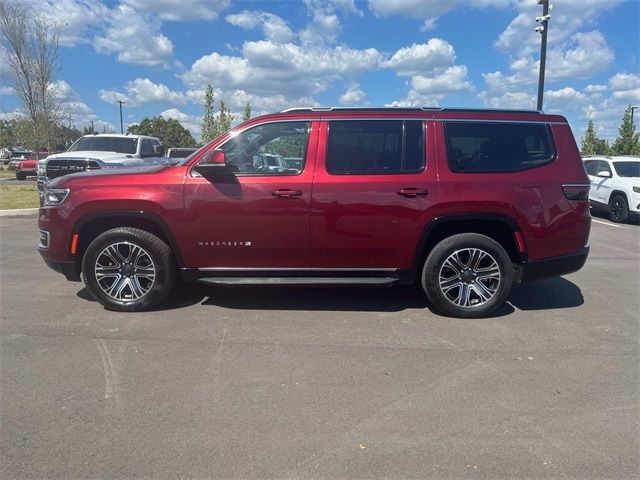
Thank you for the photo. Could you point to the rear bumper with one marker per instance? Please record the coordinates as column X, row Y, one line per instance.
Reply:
column 554, row 266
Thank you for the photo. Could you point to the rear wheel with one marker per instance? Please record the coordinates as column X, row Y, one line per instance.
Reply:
column 618, row 209
column 128, row 269
column 467, row 275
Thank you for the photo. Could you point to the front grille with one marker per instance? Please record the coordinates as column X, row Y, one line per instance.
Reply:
column 58, row 168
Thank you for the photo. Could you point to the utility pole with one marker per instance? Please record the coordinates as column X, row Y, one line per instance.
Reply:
column 121, row 124
column 632, row 109
column 93, row 130
column 543, row 28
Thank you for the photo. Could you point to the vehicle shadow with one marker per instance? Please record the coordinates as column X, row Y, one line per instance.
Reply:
column 547, row 294
column 542, row 295
column 601, row 214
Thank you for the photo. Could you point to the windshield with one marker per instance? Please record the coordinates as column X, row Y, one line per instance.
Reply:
column 627, row 169
column 106, row 144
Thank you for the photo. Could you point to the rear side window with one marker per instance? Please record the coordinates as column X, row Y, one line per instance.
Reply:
column 498, row 147
column 375, row 147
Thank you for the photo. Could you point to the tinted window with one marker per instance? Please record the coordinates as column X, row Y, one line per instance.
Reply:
column 269, row 149
column 146, row 148
column 627, row 169
column 106, row 144
column 603, row 167
column 374, row 147
column 591, row 167
column 497, row 147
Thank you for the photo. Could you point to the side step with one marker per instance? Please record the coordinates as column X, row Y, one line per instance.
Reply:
column 310, row 281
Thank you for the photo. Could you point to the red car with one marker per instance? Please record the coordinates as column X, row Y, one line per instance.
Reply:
column 27, row 167
column 463, row 202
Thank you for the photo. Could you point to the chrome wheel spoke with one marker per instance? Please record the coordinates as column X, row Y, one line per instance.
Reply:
column 125, row 271
column 469, row 277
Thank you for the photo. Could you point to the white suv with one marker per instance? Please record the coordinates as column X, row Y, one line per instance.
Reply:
column 615, row 185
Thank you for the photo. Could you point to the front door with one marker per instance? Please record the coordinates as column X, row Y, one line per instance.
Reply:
column 256, row 214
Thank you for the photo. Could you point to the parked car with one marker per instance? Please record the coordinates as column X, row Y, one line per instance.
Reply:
column 180, row 152
column 27, row 166
column 615, row 185
column 463, row 202
column 17, row 153
column 98, row 152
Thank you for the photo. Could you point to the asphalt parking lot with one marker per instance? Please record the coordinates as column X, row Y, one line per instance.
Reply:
column 321, row 383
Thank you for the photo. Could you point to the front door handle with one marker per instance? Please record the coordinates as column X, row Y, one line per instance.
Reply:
column 412, row 192
column 286, row 193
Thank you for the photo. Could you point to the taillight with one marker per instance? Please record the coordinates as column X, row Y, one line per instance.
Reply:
column 576, row 191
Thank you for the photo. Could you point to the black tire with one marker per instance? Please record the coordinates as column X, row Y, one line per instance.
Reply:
column 618, row 209
column 20, row 175
column 487, row 277
column 144, row 280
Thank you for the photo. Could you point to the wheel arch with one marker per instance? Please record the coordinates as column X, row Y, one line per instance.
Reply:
column 500, row 228
column 618, row 192
column 90, row 226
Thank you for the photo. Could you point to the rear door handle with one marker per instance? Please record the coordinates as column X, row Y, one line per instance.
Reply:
column 286, row 193
column 412, row 192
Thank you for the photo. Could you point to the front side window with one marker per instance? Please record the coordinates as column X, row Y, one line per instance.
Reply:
column 269, row 149
column 368, row 147
column 146, row 148
column 497, row 147
column 591, row 166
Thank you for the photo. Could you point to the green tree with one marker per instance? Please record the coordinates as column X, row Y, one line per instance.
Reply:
column 602, row 147
column 6, row 134
column 208, row 118
column 247, row 112
column 628, row 141
column 168, row 130
column 589, row 140
column 224, row 119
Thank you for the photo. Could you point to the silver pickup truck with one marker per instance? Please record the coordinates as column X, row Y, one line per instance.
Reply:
column 101, row 151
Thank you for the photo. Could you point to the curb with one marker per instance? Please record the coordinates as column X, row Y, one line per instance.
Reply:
column 19, row 212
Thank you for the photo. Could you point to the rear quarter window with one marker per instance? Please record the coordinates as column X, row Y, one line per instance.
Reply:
column 485, row 147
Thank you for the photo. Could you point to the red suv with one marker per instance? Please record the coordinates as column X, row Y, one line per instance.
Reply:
column 465, row 202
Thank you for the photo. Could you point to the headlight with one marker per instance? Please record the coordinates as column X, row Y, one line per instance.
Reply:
column 55, row 196
column 636, row 189
column 41, row 170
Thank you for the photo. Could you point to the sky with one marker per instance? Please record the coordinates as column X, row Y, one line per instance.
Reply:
column 158, row 56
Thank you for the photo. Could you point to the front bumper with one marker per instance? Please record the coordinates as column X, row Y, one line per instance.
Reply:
column 68, row 269
column 553, row 267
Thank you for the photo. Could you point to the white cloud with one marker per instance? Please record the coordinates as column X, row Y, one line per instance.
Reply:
column 567, row 17
column 275, row 28
column 422, row 58
column 134, row 39
column 72, row 107
column 626, row 87
column 516, row 100
column 354, row 96
column 428, row 8
column 143, row 90
column 6, row 91
column 185, row 10
column 429, row 24
column 76, row 18
column 564, row 100
column 452, row 79
column 325, row 25
column 268, row 68
column 595, row 88
column 193, row 123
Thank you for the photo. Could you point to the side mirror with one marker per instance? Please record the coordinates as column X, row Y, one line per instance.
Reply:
column 604, row 174
column 158, row 150
column 212, row 162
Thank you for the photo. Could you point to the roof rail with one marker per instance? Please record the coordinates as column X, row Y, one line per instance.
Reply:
column 405, row 109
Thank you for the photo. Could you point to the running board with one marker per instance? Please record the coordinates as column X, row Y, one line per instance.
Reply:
column 311, row 281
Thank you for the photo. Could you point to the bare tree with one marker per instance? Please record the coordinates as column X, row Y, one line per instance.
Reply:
column 31, row 44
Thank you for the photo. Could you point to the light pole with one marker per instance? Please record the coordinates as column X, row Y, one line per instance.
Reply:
column 542, row 29
column 632, row 109
column 121, row 124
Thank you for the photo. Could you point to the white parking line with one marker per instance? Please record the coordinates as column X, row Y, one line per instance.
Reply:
column 606, row 223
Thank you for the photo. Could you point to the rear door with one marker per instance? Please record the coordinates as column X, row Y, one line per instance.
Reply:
column 373, row 187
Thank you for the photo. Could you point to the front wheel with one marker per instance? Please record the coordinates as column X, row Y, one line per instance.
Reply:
column 467, row 275
column 618, row 209
column 20, row 175
column 128, row 269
